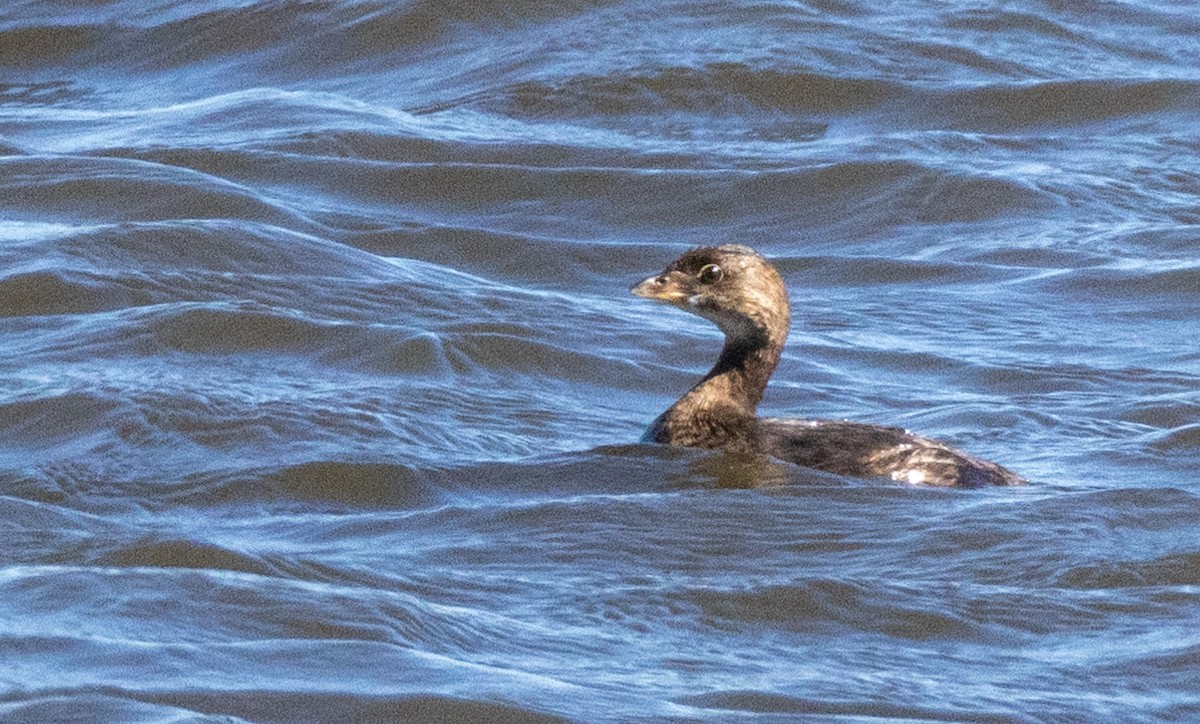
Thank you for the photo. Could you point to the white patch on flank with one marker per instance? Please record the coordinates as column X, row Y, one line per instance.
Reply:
column 912, row 477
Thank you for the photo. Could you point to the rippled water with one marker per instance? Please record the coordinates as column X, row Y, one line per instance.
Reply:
column 320, row 379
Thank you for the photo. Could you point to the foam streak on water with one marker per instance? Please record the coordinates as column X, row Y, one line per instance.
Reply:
column 320, row 381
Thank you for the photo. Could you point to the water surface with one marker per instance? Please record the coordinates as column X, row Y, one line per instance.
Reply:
column 320, row 382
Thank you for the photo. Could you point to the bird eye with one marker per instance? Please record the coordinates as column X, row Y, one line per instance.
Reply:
column 710, row 273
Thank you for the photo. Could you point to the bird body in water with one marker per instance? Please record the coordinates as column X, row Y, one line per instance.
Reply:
column 743, row 294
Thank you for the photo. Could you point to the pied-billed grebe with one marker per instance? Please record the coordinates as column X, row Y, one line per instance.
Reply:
column 740, row 291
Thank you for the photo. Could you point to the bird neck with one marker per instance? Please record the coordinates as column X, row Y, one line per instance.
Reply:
column 719, row 412
column 741, row 373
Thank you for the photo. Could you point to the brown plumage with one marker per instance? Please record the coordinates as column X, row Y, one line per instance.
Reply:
column 743, row 294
